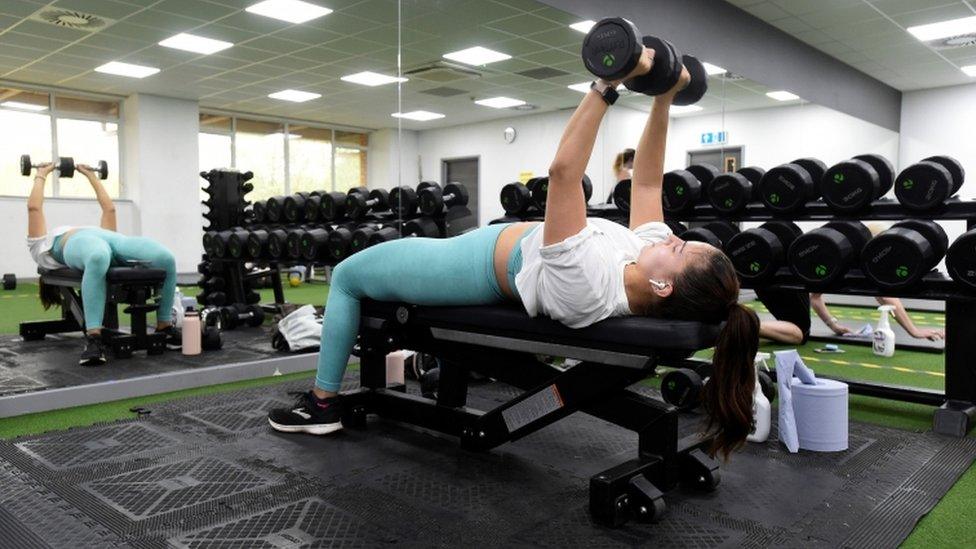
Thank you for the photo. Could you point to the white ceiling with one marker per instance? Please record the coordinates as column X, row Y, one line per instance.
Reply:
column 870, row 36
column 271, row 55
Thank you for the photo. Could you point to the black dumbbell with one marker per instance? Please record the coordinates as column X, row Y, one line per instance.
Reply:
column 313, row 207
column 360, row 237
column 339, row 242
column 516, row 198
column 212, row 284
column 900, row 256
column 621, row 195
column 403, row 201
column 334, row 203
column 539, row 190
column 682, row 388
column 252, row 298
column 9, row 281
column 210, row 329
column 236, row 242
column 729, row 193
column 293, row 207
column 293, row 242
column 850, row 186
column 218, row 245
column 961, row 259
column 357, row 205
column 758, row 253
column 273, row 209
column 208, row 242
column 680, row 191
column 258, row 212
column 926, row 185
column 257, row 244
column 65, row 166
column 420, row 227
column 237, row 314
column 788, row 187
column 100, row 168
column 314, row 243
column 276, row 243
column 433, row 200
column 666, row 71
column 824, row 255
column 716, row 233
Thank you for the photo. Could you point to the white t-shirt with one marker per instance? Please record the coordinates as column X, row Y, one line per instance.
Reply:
column 40, row 247
column 580, row 280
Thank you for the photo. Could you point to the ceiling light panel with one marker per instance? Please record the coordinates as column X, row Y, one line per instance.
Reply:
column 292, row 11
column 196, row 44
column 944, row 29
column 712, row 70
column 477, row 56
column 583, row 26
column 126, row 69
column 371, row 79
column 420, row 116
column 295, row 96
column 782, row 95
column 500, row 102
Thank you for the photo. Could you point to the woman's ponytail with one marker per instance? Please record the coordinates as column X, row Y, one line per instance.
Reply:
column 728, row 394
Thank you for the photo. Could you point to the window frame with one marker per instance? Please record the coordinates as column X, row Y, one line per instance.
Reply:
column 54, row 114
column 286, row 125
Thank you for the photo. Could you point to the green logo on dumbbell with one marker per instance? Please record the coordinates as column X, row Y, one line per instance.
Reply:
column 774, row 198
column 729, row 202
column 609, row 60
column 821, row 270
column 908, row 183
column 754, row 266
column 901, row 271
column 838, row 178
column 672, row 385
column 679, row 190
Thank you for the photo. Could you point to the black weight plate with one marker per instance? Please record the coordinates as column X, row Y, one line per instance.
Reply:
column 954, row 167
column 897, row 258
column 931, row 231
column 961, row 259
column 431, row 201
column 403, row 201
column 682, row 388
column 855, row 232
column 752, row 173
column 656, row 81
column 102, row 169
column 723, row 230
column 459, row 192
column 704, row 172
column 923, row 186
column 729, row 193
column 850, row 186
column 886, row 172
column 785, row 188
column 25, row 164
column 680, row 191
column 587, row 188
column 621, row 195
column 814, row 167
column 313, row 205
column 539, row 190
column 611, row 48
column 785, row 231
column 339, row 241
column 66, row 167
column 422, row 227
column 698, row 85
column 820, row 256
column 515, row 198
column 756, row 254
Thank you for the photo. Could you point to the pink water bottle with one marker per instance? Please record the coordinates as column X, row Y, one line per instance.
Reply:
column 191, row 333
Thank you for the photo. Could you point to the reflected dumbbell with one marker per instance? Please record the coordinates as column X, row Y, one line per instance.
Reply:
column 900, row 256
column 516, row 198
column 334, row 203
column 357, row 205
column 824, row 255
column 926, row 185
column 433, row 200
column 850, row 186
column 758, row 253
column 538, row 188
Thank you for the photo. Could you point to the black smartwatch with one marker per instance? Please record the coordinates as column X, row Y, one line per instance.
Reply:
column 606, row 91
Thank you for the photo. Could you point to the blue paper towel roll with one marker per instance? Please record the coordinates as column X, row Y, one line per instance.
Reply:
column 820, row 413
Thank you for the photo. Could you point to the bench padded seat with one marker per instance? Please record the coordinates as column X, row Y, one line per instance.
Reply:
column 128, row 275
column 631, row 332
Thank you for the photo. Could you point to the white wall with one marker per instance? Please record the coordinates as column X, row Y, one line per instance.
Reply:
column 391, row 162
column 13, row 249
column 161, row 173
column 533, row 150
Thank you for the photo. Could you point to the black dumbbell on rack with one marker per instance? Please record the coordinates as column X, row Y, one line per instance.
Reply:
column 926, row 185
column 275, row 248
column 334, row 203
column 788, row 187
column 730, row 193
column 293, row 208
column 360, row 239
column 404, row 200
column 358, row 206
column 613, row 48
column 538, row 188
column 313, row 206
column 716, row 233
column 293, row 242
column 423, row 227
column 850, row 186
column 900, row 256
column 824, row 255
column 434, row 200
column 256, row 246
column 516, row 198
column 273, row 209
column 258, row 212
column 758, row 253
column 961, row 259
column 65, row 166
column 236, row 243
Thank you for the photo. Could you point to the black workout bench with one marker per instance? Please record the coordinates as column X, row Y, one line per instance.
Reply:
column 133, row 286
column 502, row 342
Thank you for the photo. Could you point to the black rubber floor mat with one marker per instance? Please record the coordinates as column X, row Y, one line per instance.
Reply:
column 208, row 472
column 53, row 362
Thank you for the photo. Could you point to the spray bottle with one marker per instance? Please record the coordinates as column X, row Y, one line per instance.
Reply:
column 884, row 337
column 761, row 409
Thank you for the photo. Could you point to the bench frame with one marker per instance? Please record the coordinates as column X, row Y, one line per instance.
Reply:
column 135, row 294
column 596, row 386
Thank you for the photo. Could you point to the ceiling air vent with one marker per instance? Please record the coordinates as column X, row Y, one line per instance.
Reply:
column 442, row 72
column 953, row 42
column 71, row 19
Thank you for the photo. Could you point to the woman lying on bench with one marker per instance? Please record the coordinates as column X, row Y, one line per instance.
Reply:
column 93, row 250
column 573, row 269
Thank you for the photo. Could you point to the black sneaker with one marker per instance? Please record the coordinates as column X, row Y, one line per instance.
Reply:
column 94, row 354
column 174, row 337
column 308, row 415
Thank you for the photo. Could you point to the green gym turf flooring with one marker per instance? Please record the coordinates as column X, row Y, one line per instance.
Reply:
column 948, row 525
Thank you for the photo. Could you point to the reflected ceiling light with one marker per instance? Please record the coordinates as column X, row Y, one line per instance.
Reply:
column 500, row 102
column 583, row 26
column 368, row 78
column 684, row 109
column 292, row 11
column 712, row 70
column 421, row 116
column 944, row 29
column 24, row 106
column 970, row 70
column 194, row 43
column 782, row 95
column 294, row 96
column 281, row 135
column 126, row 69
column 477, row 56
column 584, row 87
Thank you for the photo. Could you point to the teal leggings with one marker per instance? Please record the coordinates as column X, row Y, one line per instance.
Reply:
column 93, row 251
column 421, row 271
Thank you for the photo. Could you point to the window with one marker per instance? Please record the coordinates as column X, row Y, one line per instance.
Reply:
column 85, row 129
column 305, row 161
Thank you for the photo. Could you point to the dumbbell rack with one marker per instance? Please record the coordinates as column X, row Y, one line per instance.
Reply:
column 957, row 404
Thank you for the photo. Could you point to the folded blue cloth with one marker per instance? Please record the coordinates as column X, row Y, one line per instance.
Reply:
column 788, row 364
